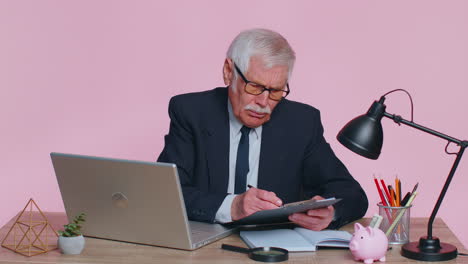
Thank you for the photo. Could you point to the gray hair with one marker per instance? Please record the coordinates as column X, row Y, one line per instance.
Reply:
column 273, row 48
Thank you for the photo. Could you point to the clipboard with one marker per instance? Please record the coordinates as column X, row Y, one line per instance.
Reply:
column 280, row 215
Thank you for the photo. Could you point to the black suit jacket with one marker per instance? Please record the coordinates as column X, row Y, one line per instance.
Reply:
column 296, row 162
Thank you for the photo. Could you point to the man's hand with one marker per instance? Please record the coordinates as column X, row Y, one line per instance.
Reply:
column 253, row 200
column 316, row 219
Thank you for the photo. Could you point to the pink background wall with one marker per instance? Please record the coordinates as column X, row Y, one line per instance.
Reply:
column 95, row 77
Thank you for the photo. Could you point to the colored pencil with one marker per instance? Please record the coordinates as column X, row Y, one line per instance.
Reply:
column 380, row 192
column 397, row 192
column 387, row 193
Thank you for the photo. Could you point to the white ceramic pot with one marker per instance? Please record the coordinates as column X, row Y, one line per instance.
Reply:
column 71, row 245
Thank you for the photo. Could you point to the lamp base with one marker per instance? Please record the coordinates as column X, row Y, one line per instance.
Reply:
column 429, row 250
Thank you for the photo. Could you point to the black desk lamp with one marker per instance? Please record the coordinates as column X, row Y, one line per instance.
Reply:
column 364, row 136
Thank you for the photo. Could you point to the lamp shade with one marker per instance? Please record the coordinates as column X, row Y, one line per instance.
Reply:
column 364, row 135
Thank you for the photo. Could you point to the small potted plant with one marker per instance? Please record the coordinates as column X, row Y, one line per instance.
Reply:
column 71, row 240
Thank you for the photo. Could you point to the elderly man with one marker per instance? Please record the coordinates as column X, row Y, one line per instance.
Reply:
column 247, row 134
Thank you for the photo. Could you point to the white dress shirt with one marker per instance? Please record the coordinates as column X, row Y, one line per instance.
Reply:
column 223, row 215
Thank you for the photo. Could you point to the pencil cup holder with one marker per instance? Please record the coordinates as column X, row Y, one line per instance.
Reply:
column 398, row 220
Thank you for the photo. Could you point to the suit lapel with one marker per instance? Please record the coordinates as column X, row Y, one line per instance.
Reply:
column 272, row 153
column 217, row 142
column 266, row 163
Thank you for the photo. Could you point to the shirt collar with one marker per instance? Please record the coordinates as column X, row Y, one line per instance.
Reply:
column 236, row 125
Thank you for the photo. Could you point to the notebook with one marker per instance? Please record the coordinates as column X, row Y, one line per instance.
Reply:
column 297, row 239
column 131, row 201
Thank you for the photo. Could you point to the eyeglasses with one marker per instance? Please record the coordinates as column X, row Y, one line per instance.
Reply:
column 256, row 89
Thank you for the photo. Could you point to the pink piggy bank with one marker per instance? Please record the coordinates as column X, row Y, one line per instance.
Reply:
column 368, row 244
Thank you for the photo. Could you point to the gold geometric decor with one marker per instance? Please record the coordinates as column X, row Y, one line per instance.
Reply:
column 31, row 233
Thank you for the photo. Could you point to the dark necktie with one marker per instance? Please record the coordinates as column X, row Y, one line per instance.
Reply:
column 242, row 161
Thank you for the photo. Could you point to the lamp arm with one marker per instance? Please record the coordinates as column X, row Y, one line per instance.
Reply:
column 444, row 190
column 398, row 119
column 462, row 144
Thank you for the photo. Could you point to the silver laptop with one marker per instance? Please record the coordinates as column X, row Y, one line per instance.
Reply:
column 131, row 201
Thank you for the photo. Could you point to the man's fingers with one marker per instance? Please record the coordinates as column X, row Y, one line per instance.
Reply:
column 269, row 197
column 322, row 212
column 309, row 222
column 253, row 200
column 264, row 205
column 316, row 219
column 303, row 218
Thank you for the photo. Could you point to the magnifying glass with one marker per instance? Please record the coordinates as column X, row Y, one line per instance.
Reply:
column 263, row 254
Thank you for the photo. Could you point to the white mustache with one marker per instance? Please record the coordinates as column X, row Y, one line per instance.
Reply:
column 258, row 109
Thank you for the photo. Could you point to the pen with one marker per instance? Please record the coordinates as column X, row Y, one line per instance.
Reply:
column 415, row 188
column 405, row 199
column 250, row 186
column 408, row 194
